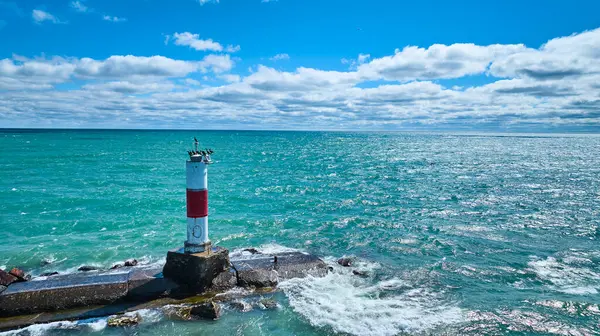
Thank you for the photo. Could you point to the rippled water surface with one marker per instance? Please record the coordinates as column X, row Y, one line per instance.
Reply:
column 458, row 234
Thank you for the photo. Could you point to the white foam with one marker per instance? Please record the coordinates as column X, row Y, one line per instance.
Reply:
column 271, row 249
column 564, row 277
column 355, row 305
column 89, row 325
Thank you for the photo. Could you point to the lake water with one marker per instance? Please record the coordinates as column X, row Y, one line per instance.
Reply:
column 459, row 234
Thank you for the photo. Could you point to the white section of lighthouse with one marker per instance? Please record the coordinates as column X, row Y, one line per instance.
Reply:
column 197, row 201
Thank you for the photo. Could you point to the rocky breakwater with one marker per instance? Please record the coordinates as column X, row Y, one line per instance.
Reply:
column 124, row 289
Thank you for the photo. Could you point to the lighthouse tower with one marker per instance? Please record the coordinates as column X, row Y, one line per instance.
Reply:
column 197, row 201
column 197, row 264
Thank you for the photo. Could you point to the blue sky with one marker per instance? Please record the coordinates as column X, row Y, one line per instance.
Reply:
column 290, row 64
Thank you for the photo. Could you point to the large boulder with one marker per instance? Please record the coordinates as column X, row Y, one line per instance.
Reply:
column 257, row 278
column 224, row 281
column 6, row 278
column 21, row 276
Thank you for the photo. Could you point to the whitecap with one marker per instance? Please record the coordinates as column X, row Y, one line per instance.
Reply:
column 564, row 277
column 355, row 305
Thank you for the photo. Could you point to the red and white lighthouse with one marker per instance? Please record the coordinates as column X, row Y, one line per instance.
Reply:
column 197, row 201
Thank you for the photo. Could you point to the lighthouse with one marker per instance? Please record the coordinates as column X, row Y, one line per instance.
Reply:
column 197, row 201
column 197, row 265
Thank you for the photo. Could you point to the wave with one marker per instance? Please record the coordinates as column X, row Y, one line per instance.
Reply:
column 355, row 305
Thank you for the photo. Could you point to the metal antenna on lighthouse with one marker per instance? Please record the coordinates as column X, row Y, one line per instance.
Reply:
column 196, row 144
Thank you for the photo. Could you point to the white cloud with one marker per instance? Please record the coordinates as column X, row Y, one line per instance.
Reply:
column 202, row 2
column 193, row 41
column 362, row 58
column 190, row 81
column 79, row 6
column 58, row 69
column 437, row 62
column 230, row 78
column 40, row 16
column 128, row 87
column 280, row 57
column 113, row 18
column 554, row 85
column 216, row 63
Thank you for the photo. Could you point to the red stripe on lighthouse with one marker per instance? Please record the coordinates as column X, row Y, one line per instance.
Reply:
column 197, row 203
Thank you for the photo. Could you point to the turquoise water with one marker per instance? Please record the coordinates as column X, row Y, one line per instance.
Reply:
column 459, row 234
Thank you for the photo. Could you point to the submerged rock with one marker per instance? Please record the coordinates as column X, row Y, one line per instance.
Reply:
column 361, row 274
column 252, row 250
column 131, row 262
column 6, row 278
column 47, row 274
column 178, row 313
column 124, row 320
column 88, row 268
column 242, row 306
column 268, row 304
column 208, row 310
column 116, row 266
column 346, row 262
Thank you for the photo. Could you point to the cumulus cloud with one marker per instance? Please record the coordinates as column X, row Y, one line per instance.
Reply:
column 193, row 41
column 59, row 69
column 79, row 6
column 113, row 18
column 202, row 2
column 437, row 62
column 280, row 57
column 129, row 87
column 40, row 16
column 554, row 85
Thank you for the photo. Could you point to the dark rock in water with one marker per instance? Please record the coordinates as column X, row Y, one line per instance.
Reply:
column 252, row 250
column 21, row 276
column 346, row 262
column 298, row 265
column 88, row 268
column 257, row 278
column 124, row 320
column 131, row 263
column 362, row 274
column 224, row 281
column 7, row 278
column 47, row 274
column 182, row 313
column 45, row 262
column 242, row 306
column 208, row 310
column 117, row 266
column 268, row 303
column 2, row 288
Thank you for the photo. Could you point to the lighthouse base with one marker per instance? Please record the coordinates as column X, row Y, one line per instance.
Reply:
column 196, row 271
